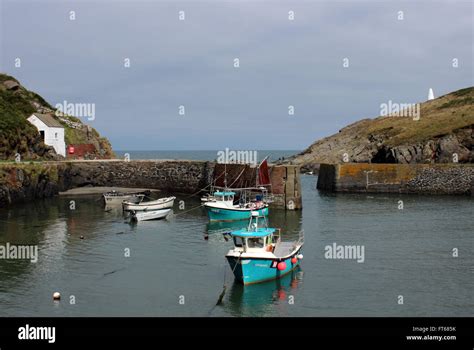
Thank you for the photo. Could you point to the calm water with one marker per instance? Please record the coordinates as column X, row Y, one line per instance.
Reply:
column 407, row 252
column 201, row 155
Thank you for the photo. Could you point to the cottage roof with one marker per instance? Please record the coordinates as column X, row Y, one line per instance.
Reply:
column 48, row 120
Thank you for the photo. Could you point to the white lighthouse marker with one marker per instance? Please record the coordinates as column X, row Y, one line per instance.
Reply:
column 431, row 94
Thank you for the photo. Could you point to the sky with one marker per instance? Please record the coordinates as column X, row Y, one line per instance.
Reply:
column 282, row 62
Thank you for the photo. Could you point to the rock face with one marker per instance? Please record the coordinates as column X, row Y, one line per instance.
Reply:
column 19, row 183
column 444, row 133
column 454, row 147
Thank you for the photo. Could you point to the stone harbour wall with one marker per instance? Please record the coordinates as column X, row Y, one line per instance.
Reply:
column 178, row 176
column 451, row 178
column 27, row 181
column 286, row 186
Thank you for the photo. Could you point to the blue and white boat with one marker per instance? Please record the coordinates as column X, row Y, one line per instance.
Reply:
column 259, row 255
column 222, row 208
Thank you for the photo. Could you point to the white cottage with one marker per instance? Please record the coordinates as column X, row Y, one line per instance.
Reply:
column 51, row 130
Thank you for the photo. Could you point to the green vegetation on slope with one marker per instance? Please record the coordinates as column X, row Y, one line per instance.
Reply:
column 444, row 129
column 17, row 135
column 437, row 117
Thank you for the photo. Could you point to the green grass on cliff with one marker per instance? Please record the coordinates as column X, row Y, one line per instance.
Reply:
column 446, row 115
column 14, row 109
column 17, row 135
column 438, row 117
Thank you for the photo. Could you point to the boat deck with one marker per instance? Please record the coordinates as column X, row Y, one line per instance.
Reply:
column 284, row 248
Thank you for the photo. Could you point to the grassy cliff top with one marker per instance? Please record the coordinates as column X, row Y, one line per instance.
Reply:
column 438, row 117
column 449, row 117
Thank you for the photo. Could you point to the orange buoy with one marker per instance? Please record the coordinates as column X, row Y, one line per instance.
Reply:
column 294, row 260
column 281, row 266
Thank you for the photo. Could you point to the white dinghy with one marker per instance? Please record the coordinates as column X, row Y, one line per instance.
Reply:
column 116, row 197
column 162, row 203
column 145, row 215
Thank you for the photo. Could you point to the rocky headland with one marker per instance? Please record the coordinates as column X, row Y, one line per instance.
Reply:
column 443, row 133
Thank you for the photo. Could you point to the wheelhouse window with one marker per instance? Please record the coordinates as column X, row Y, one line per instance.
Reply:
column 238, row 241
column 255, row 242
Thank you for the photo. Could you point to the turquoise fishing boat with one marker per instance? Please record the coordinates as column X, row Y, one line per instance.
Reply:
column 222, row 208
column 260, row 255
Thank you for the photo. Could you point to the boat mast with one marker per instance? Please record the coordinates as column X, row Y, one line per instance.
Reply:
column 225, row 176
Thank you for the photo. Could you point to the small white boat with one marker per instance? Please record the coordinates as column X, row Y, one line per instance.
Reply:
column 162, row 203
column 116, row 198
column 145, row 215
column 208, row 198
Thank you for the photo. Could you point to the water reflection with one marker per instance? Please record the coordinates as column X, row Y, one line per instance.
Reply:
column 215, row 228
column 260, row 299
column 289, row 221
column 115, row 209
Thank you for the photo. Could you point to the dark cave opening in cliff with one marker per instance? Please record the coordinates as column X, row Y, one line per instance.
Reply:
column 384, row 155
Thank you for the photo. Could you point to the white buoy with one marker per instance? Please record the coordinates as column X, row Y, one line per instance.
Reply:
column 56, row 295
column 431, row 94
column 300, row 257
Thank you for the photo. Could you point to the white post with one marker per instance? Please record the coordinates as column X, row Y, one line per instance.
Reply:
column 430, row 95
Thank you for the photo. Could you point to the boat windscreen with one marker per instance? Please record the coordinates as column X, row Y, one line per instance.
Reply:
column 255, row 242
column 238, row 241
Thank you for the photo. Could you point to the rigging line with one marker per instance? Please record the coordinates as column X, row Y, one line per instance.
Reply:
column 186, row 211
column 202, row 189
column 237, row 177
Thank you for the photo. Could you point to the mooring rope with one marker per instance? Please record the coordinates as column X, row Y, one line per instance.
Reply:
column 224, row 287
column 202, row 189
column 186, row 211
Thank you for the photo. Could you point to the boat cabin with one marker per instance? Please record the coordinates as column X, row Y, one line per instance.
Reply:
column 254, row 238
column 226, row 196
column 257, row 240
